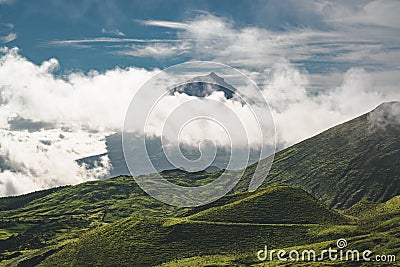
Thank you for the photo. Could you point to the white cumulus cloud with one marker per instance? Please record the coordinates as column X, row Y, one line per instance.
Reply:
column 48, row 121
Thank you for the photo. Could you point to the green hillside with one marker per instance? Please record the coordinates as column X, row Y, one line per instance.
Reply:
column 357, row 160
column 151, row 240
column 377, row 229
column 199, row 240
column 277, row 204
column 49, row 217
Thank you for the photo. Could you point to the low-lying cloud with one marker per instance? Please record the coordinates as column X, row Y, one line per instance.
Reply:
column 384, row 116
column 48, row 121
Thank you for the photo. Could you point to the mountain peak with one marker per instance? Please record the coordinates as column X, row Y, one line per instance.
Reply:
column 213, row 75
column 202, row 86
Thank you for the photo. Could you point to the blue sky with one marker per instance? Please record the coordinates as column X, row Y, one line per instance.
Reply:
column 41, row 22
column 318, row 33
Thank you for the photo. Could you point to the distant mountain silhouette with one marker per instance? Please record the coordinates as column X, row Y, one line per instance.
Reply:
column 203, row 86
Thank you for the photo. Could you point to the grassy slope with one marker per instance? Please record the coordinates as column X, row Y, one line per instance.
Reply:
column 343, row 165
column 15, row 202
column 65, row 213
column 149, row 241
column 378, row 229
column 277, row 204
column 191, row 242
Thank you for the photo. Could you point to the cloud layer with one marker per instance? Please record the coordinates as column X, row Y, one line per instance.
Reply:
column 341, row 34
column 47, row 121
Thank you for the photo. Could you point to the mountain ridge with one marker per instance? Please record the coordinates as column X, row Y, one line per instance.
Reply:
column 325, row 164
column 203, row 86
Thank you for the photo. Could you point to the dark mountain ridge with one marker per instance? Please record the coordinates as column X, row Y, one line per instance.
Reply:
column 203, row 86
column 353, row 161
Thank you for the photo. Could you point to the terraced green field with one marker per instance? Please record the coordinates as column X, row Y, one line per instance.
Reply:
column 188, row 241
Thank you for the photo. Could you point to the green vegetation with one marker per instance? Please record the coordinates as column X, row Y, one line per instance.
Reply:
column 67, row 212
column 348, row 163
column 277, row 204
column 188, row 241
column 154, row 241
column 159, row 239
column 15, row 202
column 371, row 232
